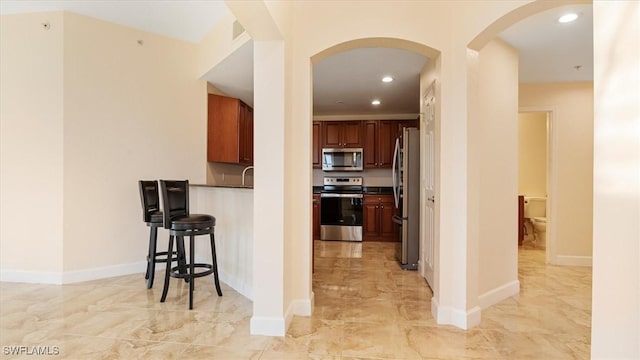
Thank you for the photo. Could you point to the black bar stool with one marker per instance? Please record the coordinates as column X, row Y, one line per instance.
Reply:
column 152, row 215
column 175, row 199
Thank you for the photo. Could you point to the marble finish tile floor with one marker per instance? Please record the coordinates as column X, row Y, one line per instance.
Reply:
column 366, row 307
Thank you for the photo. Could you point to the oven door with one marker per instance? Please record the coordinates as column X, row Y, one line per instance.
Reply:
column 341, row 216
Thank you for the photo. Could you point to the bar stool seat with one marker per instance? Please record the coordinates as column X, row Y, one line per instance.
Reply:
column 180, row 223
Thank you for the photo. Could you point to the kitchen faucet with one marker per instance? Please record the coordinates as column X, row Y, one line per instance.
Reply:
column 244, row 172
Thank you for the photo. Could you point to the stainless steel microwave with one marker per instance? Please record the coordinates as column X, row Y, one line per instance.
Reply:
column 346, row 159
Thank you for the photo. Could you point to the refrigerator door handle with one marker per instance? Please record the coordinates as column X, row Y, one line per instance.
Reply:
column 393, row 173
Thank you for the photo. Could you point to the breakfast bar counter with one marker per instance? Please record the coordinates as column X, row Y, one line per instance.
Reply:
column 232, row 206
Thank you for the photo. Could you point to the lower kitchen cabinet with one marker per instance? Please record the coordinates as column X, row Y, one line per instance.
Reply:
column 316, row 228
column 378, row 222
column 316, row 216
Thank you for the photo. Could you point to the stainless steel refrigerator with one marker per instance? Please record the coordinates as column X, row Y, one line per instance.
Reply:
column 406, row 191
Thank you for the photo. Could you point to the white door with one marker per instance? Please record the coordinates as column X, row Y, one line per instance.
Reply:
column 428, row 183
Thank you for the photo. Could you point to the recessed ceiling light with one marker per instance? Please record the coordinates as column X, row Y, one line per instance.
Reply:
column 387, row 79
column 568, row 18
column 375, row 102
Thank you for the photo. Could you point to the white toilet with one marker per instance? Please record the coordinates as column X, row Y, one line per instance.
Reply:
column 535, row 211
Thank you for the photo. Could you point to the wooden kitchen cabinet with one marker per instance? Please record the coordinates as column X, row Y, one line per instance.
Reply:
column 342, row 134
column 378, row 222
column 316, row 216
column 406, row 123
column 379, row 143
column 317, row 145
column 229, row 131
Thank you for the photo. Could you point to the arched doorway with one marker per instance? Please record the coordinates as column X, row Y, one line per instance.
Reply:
column 428, row 150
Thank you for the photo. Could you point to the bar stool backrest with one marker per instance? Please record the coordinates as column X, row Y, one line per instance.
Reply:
column 175, row 199
column 149, row 197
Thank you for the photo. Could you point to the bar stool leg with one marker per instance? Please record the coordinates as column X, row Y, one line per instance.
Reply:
column 151, row 259
column 168, row 269
column 182, row 269
column 215, row 264
column 191, row 270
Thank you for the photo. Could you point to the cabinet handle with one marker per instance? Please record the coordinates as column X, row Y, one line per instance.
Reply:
column 376, row 206
column 382, row 207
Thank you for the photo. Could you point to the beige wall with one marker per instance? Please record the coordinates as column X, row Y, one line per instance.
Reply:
column 31, row 146
column 131, row 112
column 571, row 203
column 616, row 189
column 493, row 174
column 114, row 112
column 532, row 154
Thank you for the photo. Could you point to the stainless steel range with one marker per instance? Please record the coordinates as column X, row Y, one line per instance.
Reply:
column 341, row 209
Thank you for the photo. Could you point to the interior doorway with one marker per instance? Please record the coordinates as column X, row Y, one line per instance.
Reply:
column 535, row 159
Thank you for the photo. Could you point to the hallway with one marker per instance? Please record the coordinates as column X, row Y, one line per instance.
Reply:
column 365, row 308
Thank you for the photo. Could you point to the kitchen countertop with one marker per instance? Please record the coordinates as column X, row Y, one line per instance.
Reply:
column 228, row 186
column 377, row 190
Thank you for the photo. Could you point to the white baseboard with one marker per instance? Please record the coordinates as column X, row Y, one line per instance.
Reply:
column 31, row 277
column 447, row 315
column 302, row 307
column 498, row 294
column 270, row 326
column 573, row 260
column 277, row 326
column 70, row 277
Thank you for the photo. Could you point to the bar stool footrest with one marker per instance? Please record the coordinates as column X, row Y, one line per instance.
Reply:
column 174, row 256
column 175, row 271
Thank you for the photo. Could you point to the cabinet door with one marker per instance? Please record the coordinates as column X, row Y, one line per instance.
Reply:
column 332, row 134
column 222, row 129
column 246, row 134
column 352, row 134
column 387, row 133
column 388, row 229
column 369, row 151
column 317, row 147
column 370, row 221
column 316, row 216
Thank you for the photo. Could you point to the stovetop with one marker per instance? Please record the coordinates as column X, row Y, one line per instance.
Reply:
column 342, row 185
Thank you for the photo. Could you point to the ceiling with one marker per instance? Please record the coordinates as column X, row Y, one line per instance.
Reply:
column 188, row 20
column 347, row 82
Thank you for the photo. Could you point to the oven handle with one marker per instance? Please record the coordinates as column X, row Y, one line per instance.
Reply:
column 331, row 195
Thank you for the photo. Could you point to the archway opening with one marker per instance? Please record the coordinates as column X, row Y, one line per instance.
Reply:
column 333, row 261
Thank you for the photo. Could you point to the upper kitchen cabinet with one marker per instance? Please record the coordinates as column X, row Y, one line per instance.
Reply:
column 379, row 141
column 317, row 145
column 406, row 123
column 342, row 134
column 229, row 131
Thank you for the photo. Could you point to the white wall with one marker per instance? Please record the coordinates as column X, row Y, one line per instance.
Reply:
column 571, row 202
column 616, row 188
column 31, row 144
column 493, row 174
column 532, row 154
